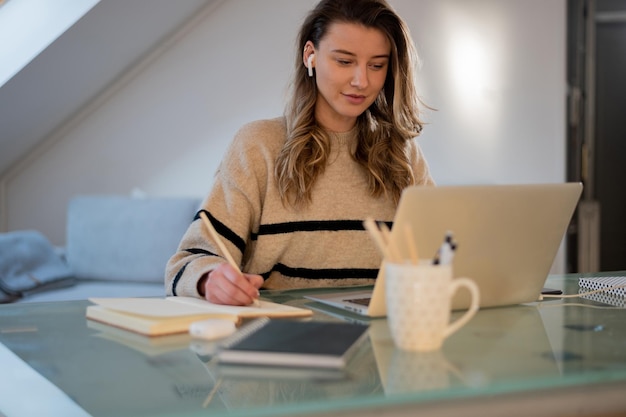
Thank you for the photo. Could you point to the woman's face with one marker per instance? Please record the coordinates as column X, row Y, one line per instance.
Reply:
column 351, row 65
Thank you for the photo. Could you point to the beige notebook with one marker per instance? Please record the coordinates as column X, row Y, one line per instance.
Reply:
column 149, row 346
column 171, row 315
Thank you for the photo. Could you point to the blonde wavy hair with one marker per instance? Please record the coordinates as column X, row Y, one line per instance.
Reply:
column 383, row 129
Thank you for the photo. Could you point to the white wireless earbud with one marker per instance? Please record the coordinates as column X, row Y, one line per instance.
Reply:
column 309, row 65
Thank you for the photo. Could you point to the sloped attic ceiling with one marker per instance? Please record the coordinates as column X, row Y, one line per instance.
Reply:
column 105, row 43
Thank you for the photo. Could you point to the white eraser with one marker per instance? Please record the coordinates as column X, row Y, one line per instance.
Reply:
column 212, row 329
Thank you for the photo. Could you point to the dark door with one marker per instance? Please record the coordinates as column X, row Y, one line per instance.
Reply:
column 610, row 138
column 597, row 133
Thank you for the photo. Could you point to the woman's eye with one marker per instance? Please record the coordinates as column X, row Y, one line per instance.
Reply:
column 343, row 61
column 378, row 66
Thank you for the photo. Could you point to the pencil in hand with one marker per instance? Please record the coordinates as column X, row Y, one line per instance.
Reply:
column 223, row 248
column 219, row 242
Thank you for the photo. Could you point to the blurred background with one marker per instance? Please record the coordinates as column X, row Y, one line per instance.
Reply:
column 143, row 97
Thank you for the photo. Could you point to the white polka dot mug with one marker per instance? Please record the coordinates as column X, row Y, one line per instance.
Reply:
column 419, row 304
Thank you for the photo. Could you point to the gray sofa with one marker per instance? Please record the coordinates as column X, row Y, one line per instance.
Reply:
column 116, row 246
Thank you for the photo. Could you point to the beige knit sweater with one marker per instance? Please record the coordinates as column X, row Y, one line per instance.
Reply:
column 324, row 244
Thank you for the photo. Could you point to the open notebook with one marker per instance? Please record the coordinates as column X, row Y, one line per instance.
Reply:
column 508, row 237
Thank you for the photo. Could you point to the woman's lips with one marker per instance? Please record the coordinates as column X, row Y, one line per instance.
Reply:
column 354, row 98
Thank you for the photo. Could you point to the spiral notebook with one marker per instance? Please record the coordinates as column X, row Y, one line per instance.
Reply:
column 609, row 284
column 293, row 343
column 614, row 289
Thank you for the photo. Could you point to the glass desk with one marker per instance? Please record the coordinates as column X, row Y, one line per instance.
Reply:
column 555, row 357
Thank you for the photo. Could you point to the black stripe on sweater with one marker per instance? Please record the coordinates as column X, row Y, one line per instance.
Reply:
column 224, row 230
column 199, row 251
column 325, row 273
column 311, row 226
column 177, row 278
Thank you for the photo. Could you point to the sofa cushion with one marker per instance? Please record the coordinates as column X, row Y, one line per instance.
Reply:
column 123, row 238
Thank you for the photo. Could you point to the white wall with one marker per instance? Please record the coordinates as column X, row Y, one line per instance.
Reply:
column 493, row 69
column 496, row 72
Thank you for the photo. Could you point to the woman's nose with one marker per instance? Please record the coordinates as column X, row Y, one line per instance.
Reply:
column 359, row 77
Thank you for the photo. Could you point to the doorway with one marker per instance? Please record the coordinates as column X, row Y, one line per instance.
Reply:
column 597, row 133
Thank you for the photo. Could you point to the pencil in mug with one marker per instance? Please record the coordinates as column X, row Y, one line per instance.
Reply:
column 381, row 236
column 445, row 253
column 377, row 236
column 411, row 244
column 222, row 247
column 391, row 245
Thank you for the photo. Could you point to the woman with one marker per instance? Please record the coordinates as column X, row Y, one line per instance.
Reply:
column 291, row 193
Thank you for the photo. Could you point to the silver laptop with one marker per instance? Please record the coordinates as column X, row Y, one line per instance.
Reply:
column 507, row 236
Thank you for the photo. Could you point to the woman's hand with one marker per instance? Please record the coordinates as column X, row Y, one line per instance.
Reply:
column 225, row 285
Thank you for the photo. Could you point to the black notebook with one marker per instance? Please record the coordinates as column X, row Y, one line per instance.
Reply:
column 305, row 344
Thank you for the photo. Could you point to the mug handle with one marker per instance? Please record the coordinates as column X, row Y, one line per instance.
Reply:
column 473, row 308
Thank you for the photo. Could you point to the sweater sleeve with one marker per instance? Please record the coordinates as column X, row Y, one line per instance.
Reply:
column 233, row 206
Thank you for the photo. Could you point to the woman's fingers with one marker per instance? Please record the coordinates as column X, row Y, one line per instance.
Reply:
column 225, row 285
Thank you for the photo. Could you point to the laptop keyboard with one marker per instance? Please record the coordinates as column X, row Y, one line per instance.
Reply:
column 361, row 301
